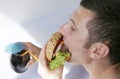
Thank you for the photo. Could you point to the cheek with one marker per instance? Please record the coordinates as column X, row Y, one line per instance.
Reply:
column 77, row 50
column 75, row 42
column 78, row 55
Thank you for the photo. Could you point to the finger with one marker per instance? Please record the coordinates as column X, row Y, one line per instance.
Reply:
column 42, row 67
column 30, row 63
column 42, row 57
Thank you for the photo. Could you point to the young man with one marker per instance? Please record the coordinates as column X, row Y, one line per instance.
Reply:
column 92, row 35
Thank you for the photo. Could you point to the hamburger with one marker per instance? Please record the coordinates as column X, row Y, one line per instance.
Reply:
column 56, row 51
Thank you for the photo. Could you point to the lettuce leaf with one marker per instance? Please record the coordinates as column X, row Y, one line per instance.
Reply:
column 59, row 60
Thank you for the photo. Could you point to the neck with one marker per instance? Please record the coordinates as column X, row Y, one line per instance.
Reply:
column 100, row 70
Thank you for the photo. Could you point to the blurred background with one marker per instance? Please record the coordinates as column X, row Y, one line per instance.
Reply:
column 30, row 21
column 38, row 17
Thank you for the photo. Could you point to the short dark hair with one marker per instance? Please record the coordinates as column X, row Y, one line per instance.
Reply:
column 105, row 27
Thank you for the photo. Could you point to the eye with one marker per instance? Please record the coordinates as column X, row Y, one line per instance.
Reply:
column 72, row 28
column 72, row 25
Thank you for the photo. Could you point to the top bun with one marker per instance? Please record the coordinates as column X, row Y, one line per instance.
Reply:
column 52, row 45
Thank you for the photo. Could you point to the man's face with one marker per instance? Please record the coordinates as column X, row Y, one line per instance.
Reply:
column 75, row 34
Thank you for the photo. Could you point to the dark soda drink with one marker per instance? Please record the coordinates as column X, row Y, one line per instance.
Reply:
column 18, row 62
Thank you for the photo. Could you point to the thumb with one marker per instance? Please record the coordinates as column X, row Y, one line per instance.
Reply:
column 42, row 57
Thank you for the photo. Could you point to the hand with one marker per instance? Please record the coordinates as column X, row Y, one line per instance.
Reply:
column 34, row 50
column 43, row 69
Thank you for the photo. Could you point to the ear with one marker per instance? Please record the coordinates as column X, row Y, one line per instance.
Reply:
column 99, row 50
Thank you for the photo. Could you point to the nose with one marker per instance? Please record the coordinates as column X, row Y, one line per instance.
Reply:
column 62, row 29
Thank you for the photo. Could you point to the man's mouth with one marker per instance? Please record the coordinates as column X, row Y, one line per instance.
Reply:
column 64, row 48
